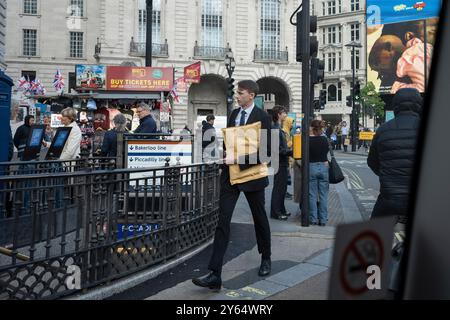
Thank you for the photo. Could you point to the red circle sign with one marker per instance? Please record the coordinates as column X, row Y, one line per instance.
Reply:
column 364, row 250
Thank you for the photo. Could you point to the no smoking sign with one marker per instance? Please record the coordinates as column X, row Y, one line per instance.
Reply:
column 358, row 248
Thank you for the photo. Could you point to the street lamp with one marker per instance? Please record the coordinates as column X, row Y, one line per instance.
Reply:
column 354, row 121
column 230, row 64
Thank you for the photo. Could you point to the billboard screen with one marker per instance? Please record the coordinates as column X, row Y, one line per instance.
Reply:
column 400, row 40
column 90, row 76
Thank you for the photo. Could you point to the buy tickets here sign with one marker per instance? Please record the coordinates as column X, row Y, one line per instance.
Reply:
column 139, row 78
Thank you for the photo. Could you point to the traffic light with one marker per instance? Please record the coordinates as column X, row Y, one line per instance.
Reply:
column 322, row 99
column 357, row 90
column 317, row 70
column 349, row 101
column 316, row 104
column 230, row 90
column 303, row 36
column 357, row 108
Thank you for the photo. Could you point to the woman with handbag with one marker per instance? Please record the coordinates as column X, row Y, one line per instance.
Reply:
column 318, row 175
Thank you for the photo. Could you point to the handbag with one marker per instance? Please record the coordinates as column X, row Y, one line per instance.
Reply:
column 335, row 174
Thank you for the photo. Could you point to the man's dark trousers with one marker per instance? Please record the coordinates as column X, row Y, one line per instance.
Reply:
column 228, row 198
column 279, row 192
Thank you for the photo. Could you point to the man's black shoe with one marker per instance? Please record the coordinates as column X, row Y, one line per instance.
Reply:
column 287, row 213
column 279, row 217
column 288, row 196
column 265, row 268
column 211, row 281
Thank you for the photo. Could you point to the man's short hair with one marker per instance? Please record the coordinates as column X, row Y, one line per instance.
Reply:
column 210, row 117
column 249, row 85
column 144, row 106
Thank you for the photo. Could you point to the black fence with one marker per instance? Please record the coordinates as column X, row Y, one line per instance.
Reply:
column 66, row 231
column 53, row 166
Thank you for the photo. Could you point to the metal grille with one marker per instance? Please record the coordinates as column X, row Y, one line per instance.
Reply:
column 29, row 42
column 158, row 49
column 270, row 25
column 76, row 44
column 271, row 55
column 212, row 33
column 76, row 8
column 30, row 6
column 210, row 52
column 105, row 223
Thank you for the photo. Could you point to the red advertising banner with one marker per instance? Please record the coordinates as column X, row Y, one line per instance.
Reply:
column 192, row 73
column 139, row 78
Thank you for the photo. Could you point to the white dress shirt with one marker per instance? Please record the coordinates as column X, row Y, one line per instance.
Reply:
column 248, row 111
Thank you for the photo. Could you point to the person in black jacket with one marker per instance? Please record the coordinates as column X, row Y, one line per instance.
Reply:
column 248, row 113
column 109, row 146
column 392, row 154
column 146, row 122
column 21, row 135
column 208, row 137
column 277, row 208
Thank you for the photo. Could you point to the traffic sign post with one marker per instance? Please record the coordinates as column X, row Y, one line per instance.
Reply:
column 361, row 260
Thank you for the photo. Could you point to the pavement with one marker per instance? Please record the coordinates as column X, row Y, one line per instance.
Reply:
column 301, row 260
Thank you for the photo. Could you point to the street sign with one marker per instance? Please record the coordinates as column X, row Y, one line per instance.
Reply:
column 153, row 153
column 361, row 260
column 366, row 135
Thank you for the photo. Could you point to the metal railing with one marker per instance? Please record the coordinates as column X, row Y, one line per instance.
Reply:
column 158, row 49
column 103, row 224
column 217, row 53
column 271, row 56
column 52, row 166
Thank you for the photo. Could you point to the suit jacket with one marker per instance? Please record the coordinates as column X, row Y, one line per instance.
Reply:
column 255, row 185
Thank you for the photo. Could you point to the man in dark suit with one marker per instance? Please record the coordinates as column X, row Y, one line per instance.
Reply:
column 248, row 113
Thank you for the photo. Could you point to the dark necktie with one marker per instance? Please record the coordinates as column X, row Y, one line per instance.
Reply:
column 242, row 120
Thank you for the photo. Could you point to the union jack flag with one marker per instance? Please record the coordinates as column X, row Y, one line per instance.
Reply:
column 174, row 93
column 58, row 81
column 23, row 84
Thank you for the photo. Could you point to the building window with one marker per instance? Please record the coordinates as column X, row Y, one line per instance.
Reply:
column 76, row 8
column 340, row 35
column 331, row 7
column 29, row 42
column 29, row 75
column 270, row 26
column 156, row 22
column 212, row 23
column 332, row 61
column 354, row 30
column 354, row 4
column 76, row 44
column 323, row 8
column 332, row 93
column 30, row 6
column 339, row 60
column 331, row 32
column 357, row 59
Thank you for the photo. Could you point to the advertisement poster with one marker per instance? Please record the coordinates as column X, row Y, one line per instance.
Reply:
column 400, row 41
column 90, row 76
column 139, row 79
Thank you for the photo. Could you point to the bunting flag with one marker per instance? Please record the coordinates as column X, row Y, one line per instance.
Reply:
column 192, row 73
column 58, row 81
column 23, row 84
column 174, row 93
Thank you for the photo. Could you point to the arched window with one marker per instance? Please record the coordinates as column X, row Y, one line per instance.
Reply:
column 332, row 93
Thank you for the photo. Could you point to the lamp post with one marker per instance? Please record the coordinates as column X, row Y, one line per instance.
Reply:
column 354, row 122
column 230, row 64
column 148, row 44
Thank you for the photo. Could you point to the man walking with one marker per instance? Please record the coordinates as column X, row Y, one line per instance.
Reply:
column 208, row 137
column 229, row 194
column 344, row 131
column 392, row 154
